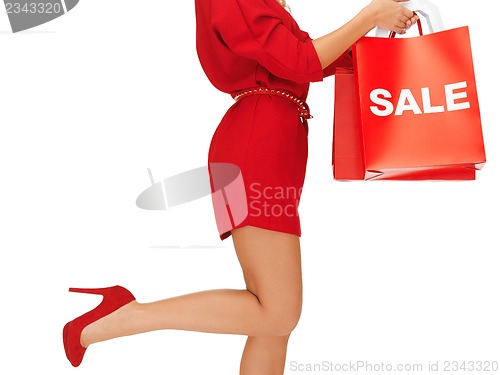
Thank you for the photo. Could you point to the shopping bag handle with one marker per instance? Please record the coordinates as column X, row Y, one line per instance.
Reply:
column 427, row 10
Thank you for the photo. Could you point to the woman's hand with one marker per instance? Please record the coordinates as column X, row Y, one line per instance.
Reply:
column 390, row 15
column 386, row 14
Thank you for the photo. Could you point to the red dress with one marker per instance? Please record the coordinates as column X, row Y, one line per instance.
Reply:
column 258, row 154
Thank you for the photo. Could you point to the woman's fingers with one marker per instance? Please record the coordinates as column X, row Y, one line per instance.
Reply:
column 401, row 25
column 407, row 12
column 411, row 21
column 392, row 15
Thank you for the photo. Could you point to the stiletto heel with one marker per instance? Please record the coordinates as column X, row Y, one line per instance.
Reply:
column 113, row 298
column 89, row 290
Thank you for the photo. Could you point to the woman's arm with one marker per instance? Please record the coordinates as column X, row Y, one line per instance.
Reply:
column 387, row 14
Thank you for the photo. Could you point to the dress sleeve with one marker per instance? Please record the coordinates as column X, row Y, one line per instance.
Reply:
column 344, row 61
column 254, row 30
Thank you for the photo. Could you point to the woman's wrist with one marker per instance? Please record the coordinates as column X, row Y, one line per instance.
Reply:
column 367, row 17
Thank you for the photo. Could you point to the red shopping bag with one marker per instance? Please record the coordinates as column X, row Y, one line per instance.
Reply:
column 409, row 110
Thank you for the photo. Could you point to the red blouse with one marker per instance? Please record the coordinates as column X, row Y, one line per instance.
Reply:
column 247, row 43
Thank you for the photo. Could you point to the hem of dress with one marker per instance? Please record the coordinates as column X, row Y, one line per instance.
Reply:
column 228, row 233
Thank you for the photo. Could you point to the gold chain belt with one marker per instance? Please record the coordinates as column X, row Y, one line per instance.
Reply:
column 302, row 106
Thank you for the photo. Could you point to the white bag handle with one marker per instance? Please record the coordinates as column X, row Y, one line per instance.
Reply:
column 425, row 8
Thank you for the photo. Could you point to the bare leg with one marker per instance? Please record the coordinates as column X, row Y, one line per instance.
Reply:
column 264, row 355
column 270, row 306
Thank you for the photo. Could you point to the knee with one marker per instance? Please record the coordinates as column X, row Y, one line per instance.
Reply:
column 284, row 325
column 283, row 319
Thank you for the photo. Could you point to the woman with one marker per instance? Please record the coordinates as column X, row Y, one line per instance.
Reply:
column 255, row 51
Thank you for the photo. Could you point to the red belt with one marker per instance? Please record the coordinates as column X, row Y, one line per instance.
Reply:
column 302, row 106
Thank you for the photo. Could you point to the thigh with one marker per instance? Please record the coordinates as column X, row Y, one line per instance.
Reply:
column 271, row 265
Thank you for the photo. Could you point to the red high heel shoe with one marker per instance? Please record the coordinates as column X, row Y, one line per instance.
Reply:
column 113, row 298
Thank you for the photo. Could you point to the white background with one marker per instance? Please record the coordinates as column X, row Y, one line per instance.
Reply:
column 394, row 272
